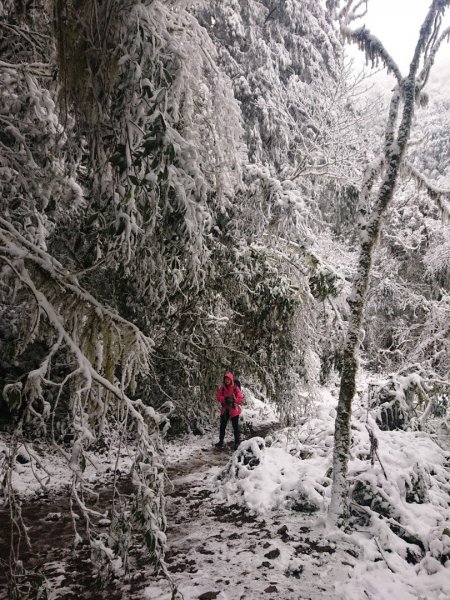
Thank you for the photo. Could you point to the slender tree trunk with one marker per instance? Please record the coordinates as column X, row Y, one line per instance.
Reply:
column 394, row 151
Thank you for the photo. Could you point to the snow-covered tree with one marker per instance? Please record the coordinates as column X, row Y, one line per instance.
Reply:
column 286, row 66
column 113, row 165
column 376, row 195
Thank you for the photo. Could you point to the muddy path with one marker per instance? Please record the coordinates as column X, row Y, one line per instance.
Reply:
column 220, row 550
column 50, row 530
column 52, row 554
column 209, row 457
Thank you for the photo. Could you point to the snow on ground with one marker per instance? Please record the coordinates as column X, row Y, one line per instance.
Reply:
column 219, row 549
column 40, row 468
column 256, row 528
column 251, row 524
column 229, row 538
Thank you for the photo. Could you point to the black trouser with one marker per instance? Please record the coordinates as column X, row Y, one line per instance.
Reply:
column 223, row 424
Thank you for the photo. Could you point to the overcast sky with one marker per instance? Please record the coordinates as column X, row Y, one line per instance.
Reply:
column 397, row 24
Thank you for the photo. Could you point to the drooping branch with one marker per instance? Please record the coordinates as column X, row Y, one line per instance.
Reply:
column 96, row 344
column 440, row 195
column 84, row 368
column 17, row 247
column 373, row 48
column 98, row 339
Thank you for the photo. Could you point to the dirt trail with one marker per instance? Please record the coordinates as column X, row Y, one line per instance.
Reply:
column 218, row 550
column 214, row 549
column 210, row 457
column 50, row 529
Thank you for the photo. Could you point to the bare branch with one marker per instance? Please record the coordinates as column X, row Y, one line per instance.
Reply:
column 353, row 14
column 374, row 450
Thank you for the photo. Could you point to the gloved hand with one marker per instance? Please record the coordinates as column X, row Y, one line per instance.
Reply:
column 229, row 401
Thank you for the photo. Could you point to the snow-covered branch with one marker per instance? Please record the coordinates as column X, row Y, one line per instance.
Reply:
column 16, row 246
column 373, row 48
column 440, row 195
column 428, row 33
column 430, row 57
column 37, row 69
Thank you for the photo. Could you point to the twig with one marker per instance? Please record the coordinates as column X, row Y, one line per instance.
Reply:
column 374, row 450
column 383, row 556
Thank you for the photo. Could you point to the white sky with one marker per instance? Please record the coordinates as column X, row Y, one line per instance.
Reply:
column 397, row 24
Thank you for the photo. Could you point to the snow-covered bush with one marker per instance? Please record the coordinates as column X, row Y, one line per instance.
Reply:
column 413, row 398
column 290, row 471
column 264, row 479
column 399, row 484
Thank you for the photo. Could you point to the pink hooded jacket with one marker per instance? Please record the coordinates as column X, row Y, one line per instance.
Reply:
column 232, row 390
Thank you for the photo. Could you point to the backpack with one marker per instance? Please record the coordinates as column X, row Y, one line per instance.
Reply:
column 237, row 383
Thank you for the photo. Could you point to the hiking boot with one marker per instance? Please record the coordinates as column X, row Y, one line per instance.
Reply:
column 236, row 446
column 219, row 445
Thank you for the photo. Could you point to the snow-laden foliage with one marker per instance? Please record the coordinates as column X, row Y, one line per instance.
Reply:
column 412, row 328
column 163, row 156
column 182, row 225
column 278, row 57
column 123, row 202
column 408, row 305
column 115, row 168
column 287, row 71
column 408, row 399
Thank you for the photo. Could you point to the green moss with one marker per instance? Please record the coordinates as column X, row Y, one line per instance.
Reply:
column 362, row 493
column 87, row 55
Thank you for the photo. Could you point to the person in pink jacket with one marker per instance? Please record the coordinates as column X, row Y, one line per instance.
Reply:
column 229, row 396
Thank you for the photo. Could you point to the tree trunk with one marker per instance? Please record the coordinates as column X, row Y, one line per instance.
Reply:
column 394, row 150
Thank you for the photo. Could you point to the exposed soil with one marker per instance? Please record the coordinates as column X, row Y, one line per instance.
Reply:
column 50, row 530
column 51, row 534
column 214, row 549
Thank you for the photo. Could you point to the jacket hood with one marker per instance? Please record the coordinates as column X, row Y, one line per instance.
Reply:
column 230, row 376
